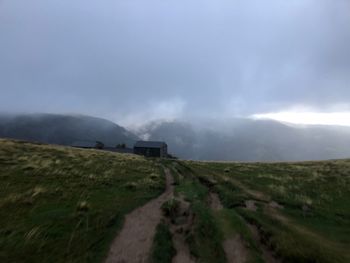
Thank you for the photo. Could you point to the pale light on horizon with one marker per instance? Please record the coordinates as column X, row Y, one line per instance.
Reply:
column 307, row 118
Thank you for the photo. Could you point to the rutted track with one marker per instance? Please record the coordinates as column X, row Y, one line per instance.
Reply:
column 234, row 247
column 133, row 244
column 183, row 254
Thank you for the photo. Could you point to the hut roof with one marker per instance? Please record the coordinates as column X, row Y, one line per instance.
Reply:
column 150, row 144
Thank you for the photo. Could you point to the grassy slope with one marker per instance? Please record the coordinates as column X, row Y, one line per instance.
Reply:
column 319, row 233
column 65, row 204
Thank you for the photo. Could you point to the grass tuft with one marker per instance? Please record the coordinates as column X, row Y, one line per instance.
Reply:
column 163, row 249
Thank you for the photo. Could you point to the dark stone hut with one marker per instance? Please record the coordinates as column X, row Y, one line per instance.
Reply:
column 151, row 149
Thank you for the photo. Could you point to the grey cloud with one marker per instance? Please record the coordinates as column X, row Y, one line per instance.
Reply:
column 219, row 58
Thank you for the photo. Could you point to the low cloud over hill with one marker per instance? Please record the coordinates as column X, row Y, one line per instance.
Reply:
column 63, row 129
column 250, row 140
column 230, row 139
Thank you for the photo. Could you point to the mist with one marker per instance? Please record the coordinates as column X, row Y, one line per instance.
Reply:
column 207, row 77
column 134, row 62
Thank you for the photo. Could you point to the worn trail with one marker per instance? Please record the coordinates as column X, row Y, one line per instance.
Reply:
column 133, row 244
column 234, row 247
column 179, row 230
column 267, row 254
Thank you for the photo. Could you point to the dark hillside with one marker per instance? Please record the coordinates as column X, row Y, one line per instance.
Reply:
column 63, row 129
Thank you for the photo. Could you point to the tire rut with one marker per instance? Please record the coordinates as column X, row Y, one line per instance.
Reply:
column 133, row 243
column 234, row 247
column 179, row 232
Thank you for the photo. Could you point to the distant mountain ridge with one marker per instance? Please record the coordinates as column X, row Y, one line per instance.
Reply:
column 226, row 140
column 250, row 140
column 63, row 129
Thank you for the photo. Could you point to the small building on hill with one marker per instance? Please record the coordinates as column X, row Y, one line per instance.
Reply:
column 88, row 144
column 151, row 149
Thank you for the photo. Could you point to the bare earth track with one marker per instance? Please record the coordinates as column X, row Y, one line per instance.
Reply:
column 133, row 244
column 234, row 248
column 183, row 254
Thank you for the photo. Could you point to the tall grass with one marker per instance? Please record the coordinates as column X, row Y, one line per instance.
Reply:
column 66, row 205
column 163, row 249
column 313, row 225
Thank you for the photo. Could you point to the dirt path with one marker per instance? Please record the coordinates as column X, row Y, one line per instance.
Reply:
column 214, row 202
column 182, row 252
column 234, row 247
column 134, row 242
column 235, row 250
column 179, row 230
column 267, row 254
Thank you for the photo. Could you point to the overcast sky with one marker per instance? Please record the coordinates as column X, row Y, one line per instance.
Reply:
column 132, row 60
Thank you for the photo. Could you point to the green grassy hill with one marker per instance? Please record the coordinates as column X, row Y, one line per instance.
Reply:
column 301, row 210
column 60, row 204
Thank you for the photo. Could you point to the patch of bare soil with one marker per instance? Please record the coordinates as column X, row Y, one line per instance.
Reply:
column 179, row 228
column 134, row 242
column 183, row 254
column 250, row 205
column 234, row 247
column 267, row 254
column 274, row 204
column 214, row 202
column 235, row 250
